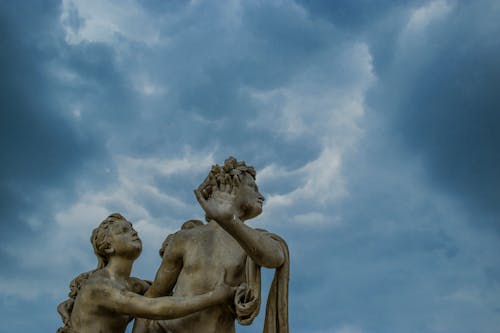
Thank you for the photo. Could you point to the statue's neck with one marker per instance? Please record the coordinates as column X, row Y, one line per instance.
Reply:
column 213, row 222
column 119, row 267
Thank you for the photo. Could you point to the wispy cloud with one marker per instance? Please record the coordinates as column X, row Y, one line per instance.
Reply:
column 371, row 126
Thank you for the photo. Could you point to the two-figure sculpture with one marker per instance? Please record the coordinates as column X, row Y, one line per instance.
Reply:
column 209, row 275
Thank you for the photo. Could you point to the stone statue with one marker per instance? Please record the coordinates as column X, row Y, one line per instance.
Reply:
column 199, row 256
column 106, row 299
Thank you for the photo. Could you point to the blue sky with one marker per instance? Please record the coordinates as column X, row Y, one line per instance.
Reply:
column 374, row 127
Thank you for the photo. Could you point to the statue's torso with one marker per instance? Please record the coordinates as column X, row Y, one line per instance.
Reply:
column 211, row 256
column 90, row 317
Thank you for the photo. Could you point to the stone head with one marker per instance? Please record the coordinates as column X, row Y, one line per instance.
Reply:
column 238, row 179
column 115, row 236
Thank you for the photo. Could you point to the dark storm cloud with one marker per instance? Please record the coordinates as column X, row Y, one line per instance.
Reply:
column 392, row 255
column 355, row 16
column 404, row 244
column 445, row 103
column 376, row 22
column 400, row 249
column 42, row 149
column 103, row 97
column 160, row 6
column 207, row 69
column 42, row 152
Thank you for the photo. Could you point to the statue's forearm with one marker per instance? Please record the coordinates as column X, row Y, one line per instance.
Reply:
column 156, row 291
column 261, row 247
column 162, row 286
column 129, row 303
column 165, row 278
column 176, row 307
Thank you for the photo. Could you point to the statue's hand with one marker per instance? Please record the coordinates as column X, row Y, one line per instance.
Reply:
column 224, row 291
column 139, row 286
column 220, row 206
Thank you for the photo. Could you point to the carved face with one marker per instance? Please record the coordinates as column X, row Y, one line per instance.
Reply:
column 249, row 198
column 124, row 240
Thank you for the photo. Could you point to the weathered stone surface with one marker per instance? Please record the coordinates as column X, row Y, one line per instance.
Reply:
column 209, row 275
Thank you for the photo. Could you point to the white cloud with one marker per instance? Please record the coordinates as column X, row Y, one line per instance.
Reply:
column 414, row 34
column 66, row 243
column 316, row 218
column 322, row 104
column 105, row 21
column 321, row 181
column 146, row 168
column 325, row 101
column 423, row 16
column 136, row 186
column 147, row 87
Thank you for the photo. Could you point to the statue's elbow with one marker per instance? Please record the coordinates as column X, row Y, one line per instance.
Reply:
column 272, row 260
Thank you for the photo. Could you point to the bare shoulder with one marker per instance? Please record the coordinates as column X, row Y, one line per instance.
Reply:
column 175, row 243
column 97, row 287
column 190, row 229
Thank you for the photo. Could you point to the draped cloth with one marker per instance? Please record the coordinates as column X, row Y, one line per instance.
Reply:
column 248, row 296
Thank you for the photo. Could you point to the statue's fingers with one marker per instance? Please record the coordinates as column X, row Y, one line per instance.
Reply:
column 203, row 203
column 227, row 180
column 236, row 185
column 221, row 183
column 200, row 197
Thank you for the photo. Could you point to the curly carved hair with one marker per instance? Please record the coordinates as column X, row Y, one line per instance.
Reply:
column 100, row 238
column 226, row 177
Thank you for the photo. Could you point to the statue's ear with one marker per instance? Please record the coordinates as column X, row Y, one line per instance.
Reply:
column 109, row 250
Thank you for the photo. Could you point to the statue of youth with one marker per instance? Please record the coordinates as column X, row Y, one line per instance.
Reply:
column 106, row 299
column 200, row 256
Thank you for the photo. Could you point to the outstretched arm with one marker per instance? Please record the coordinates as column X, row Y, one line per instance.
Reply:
column 129, row 303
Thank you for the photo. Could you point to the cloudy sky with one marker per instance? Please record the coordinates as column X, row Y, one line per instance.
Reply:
column 374, row 127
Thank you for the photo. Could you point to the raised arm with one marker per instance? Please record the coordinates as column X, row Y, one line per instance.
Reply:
column 259, row 245
column 166, row 276
column 129, row 303
column 169, row 269
column 224, row 208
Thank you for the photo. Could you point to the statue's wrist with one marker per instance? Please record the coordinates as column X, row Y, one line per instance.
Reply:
column 235, row 219
column 221, row 219
column 227, row 219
